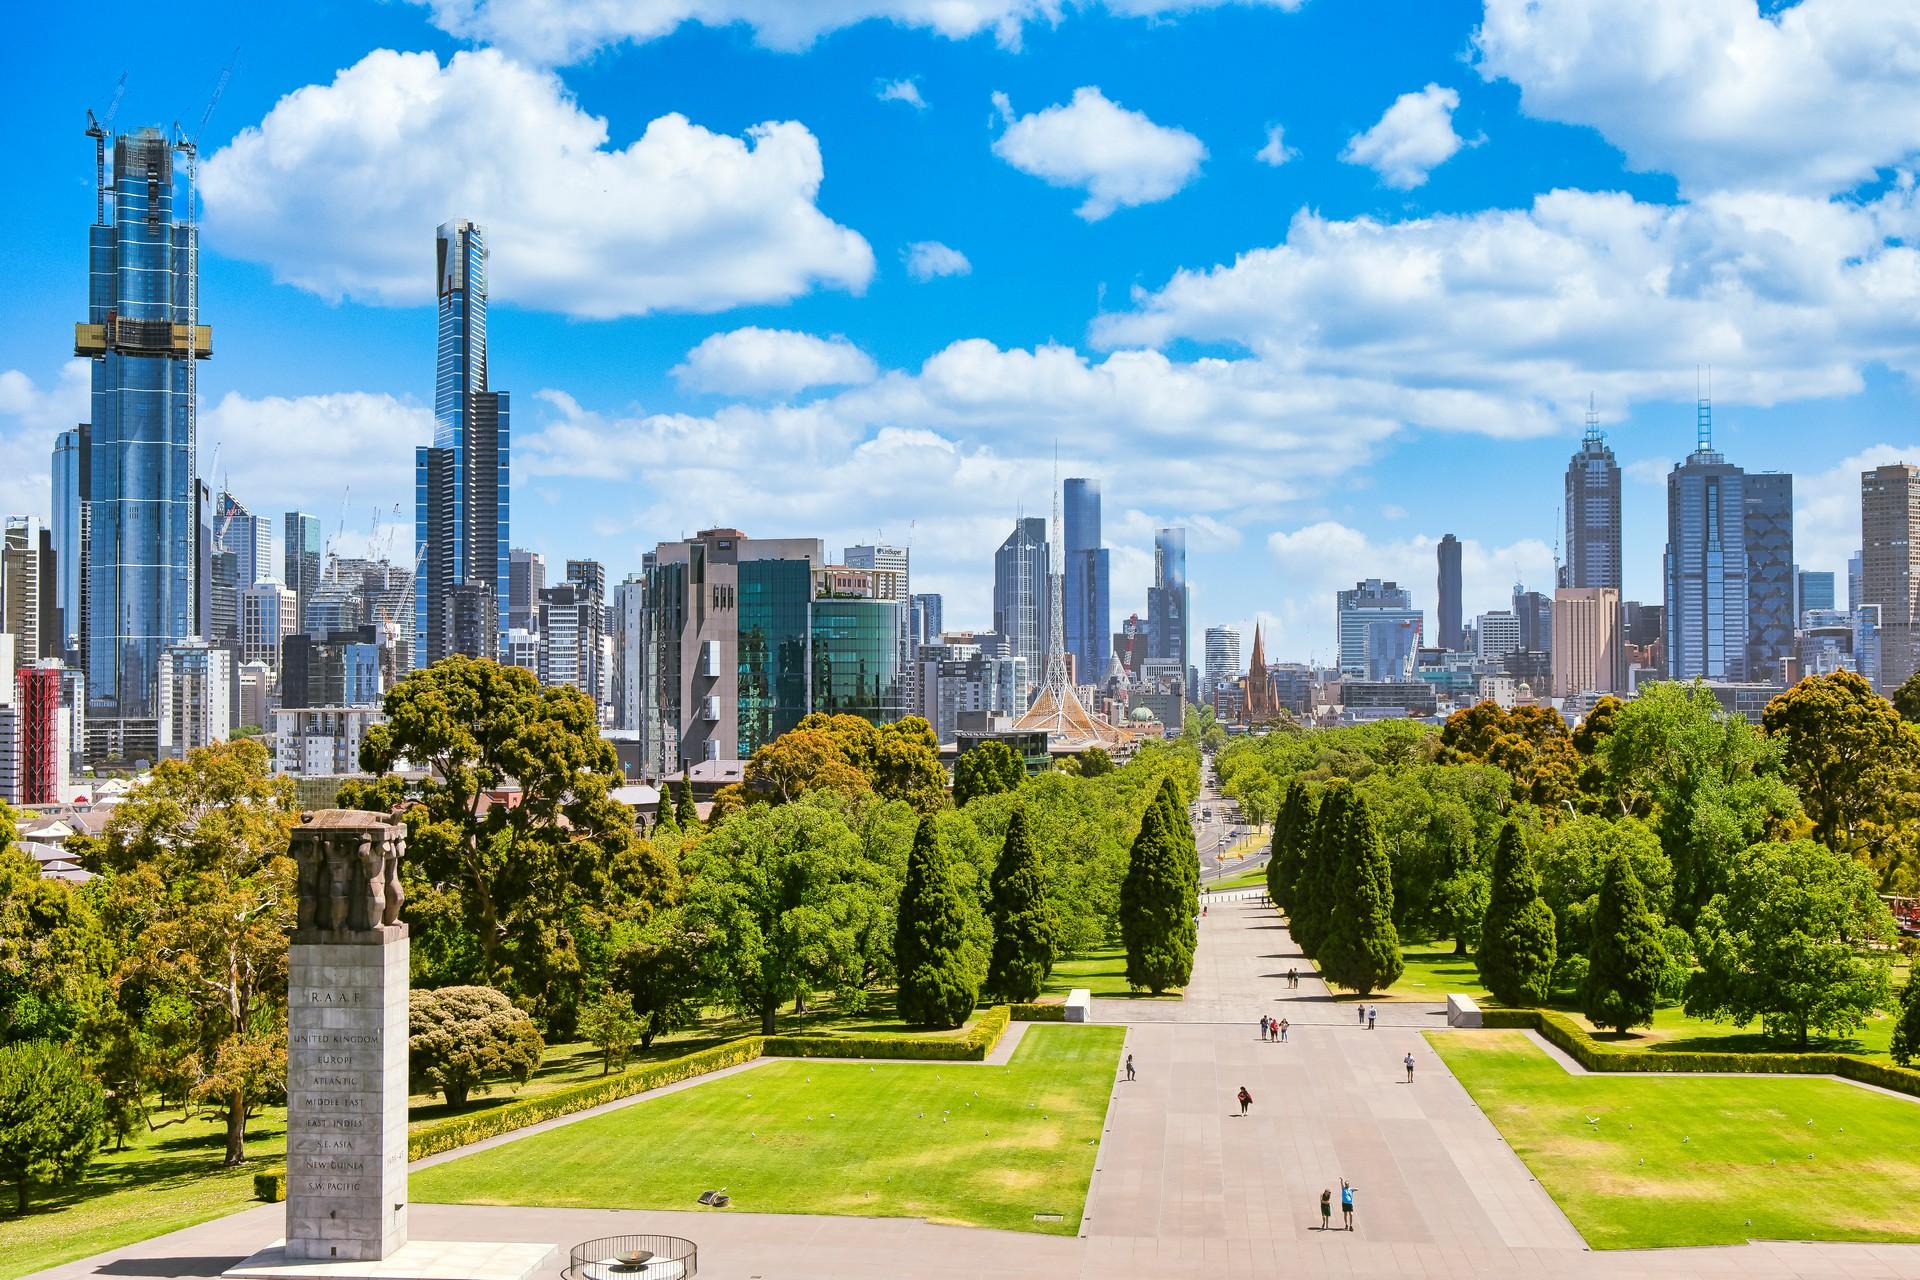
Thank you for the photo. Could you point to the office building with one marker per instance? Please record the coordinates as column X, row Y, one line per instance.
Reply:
column 249, row 538
column 1496, row 634
column 1085, row 590
column 1589, row 653
column 1825, row 642
column 1167, row 601
column 33, row 750
column 526, row 578
column 629, row 653
column 1705, row 566
column 71, row 482
column 925, row 618
column 1021, row 596
column 342, row 668
column 142, row 337
column 29, row 589
column 1377, row 630
column 315, row 742
column 1452, row 633
column 1890, row 567
column 854, row 632
column 462, row 481
column 1592, row 512
column 958, row 678
column 302, row 566
column 893, row 560
column 266, row 620
column 1814, row 590
column 1854, row 570
column 1223, row 659
column 1771, row 618
column 1869, row 648
column 196, row 697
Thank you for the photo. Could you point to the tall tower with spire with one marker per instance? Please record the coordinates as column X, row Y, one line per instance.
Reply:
column 1258, row 703
column 1593, row 511
column 1705, row 566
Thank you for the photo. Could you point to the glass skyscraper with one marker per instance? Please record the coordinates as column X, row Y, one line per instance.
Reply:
column 1452, row 634
column 70, row 486
column 776, row 597
column 1087, row 625
column 1167, row 599
column 1020, row 597
column 856, row 662
column 1593, row 513
column 142, row 507
column 461, row 482
column 1771, row 617
column 302, row 562
column 1706, row 564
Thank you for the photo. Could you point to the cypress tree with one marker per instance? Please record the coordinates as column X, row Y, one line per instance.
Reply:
column 663, row 819
column 1292, row 831
column 1157, row 904
column 1626, row 959
column 1360, row 949
column 1313, row 890
column 1905, row 1047
column 684, row 813
column 1024, row 929
column 1516, row 939
column 929, row 938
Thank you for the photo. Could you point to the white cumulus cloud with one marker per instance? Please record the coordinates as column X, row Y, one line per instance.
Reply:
column 1810, row 97
column 902, row 91
column 30, row 416
column 1275, row 151
column 929, row 260
column 339, row 188
column 560, row 31
column 306, row 452
column 772, row 362
column 1411, row 140
column 1119, row 157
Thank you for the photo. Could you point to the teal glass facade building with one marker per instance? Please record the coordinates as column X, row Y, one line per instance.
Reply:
column 856, row 659
column 775, row 605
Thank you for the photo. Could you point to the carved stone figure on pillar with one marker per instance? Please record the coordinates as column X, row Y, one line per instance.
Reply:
column 349, row 884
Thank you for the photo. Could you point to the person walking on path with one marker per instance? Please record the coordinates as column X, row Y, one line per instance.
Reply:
column 1293, row 976
column 1371, row 1015
column 1130, row 1067
column 1246, row 1100
column 1346, row 1202
column 1362, row 1012
column 1409, row 1062
column 1326, row 1209
column 1284, row 1024
column 1263, row 1026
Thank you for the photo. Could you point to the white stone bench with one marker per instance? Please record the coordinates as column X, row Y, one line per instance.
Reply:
column 1079, row 1001
column 1462, row 1011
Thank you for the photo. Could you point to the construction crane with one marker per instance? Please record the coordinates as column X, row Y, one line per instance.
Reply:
column 190, row 148
column 98, row 131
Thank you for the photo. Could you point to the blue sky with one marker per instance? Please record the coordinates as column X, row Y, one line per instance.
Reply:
column 853, row 268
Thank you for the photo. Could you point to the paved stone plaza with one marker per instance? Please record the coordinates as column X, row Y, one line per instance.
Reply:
column 1184, row 1187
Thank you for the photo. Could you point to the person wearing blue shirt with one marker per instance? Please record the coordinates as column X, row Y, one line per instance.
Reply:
column 1346, row 1202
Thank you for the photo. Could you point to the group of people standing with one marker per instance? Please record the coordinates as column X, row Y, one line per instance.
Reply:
column 1274, row 1029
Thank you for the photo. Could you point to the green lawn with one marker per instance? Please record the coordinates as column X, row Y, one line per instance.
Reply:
column 1698, row 1160
column 1102, row 971
column 1433, row 971
column 973, row 1145
column 1251, row 878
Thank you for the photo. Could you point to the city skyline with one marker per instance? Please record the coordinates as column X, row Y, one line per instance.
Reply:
column 891, row 399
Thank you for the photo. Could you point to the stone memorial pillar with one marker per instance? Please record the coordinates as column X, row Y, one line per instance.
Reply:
column 347, row 1041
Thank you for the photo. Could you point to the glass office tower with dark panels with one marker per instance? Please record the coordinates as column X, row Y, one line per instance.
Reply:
column 1088, row 630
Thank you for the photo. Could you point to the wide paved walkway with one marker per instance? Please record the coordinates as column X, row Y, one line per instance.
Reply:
column 1184, row 1186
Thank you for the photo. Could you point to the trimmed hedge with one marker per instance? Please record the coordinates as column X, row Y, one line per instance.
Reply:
column 976, row 1044
column 1037, row 1012
column 270, row 1187
column 1571, row 1038
column 459, row 1131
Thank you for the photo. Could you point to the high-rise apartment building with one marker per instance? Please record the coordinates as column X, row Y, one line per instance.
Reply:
column 1890, row 567
column 1167, row 600
column 1086, row 593
column 197, row 683
column 1021, row 596
column 266, row 619
column 142, row 509
column 1223, row 660
column 1705, row 567
column 461, row 481
column 526, row 578
column 1593, row 512
column 71, row 482
column 1534, row 613
column 1771, row 617
column 629, row 651
column 33, row 753
column 1377, row 631
column 959, row 677
column 302, row 569
column 1589, row 652
column 1452, row 633
column 249, row 538
column 29, row 589
column 740, row 637
column 1496, row 634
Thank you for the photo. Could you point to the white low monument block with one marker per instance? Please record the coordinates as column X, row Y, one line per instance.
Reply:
column 1462, row 1011
column 1079, row 1001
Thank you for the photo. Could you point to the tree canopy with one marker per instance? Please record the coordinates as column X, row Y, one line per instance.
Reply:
column 460, row 1039
column 985, row 770
column 50, row 1117
column 1625, row 960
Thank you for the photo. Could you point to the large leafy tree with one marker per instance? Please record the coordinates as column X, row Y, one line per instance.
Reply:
column 906, row 765
column 656, row 970
column 1784, row 943
column 1439, row 823
column 1572, row 862
column 460, row 1039
column 800, row 761
column 1292, row 831
column 51, row 1117
column 55, row 956
column 782, row 897
column 507, row 887
column 987, row 769
column 1157, row 899
column 1516, row 952
column 1024, row 929
column 938, row 985
column 1856, row 765
column 1624, row 957
column 1530, row 743
column 1906, row 699
column 201, row 900
column 1361, row 948
column 1708, row 784
column 1905, row 1046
